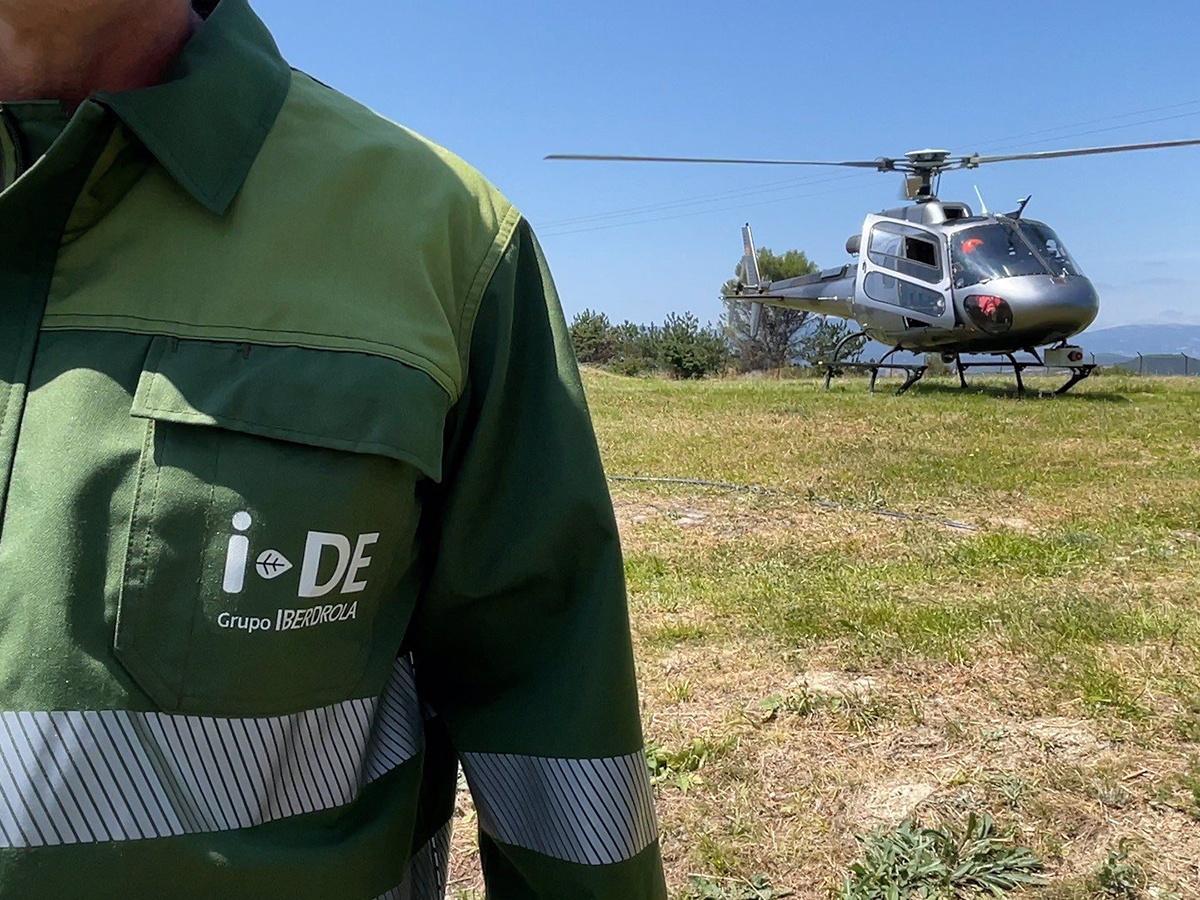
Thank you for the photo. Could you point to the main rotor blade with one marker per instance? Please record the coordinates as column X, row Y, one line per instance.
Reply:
column 882, row 165
column 969, row 162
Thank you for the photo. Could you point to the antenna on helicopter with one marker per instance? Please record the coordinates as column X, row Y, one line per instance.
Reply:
column 1021, row 207
column 982, row 202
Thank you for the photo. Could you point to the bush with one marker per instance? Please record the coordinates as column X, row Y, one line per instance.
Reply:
column 679, row 347
column 689, row 351
column 1121, row 876
column 944, row 862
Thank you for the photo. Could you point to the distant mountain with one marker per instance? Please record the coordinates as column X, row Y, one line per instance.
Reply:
column 1130, row 340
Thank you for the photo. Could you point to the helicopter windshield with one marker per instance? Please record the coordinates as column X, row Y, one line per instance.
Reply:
column 989, row 252
column 1049, row 247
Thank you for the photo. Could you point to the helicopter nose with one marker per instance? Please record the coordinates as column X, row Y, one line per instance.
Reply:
column 1061, row 308
column 1044, row 309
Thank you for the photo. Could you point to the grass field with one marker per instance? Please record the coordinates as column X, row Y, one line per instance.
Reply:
column 1026, row 643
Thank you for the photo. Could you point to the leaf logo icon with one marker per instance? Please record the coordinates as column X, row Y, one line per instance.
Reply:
column 271, row 564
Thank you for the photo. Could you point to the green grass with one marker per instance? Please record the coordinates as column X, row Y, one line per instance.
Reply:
column 680, row 765
column 1045, row 596
column 1103, row 490
column 813, row 668
column 933, row 448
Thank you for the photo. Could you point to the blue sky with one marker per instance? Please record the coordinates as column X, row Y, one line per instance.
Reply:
column 504, row 84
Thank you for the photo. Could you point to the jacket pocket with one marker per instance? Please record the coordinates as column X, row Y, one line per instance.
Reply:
column 274, row 524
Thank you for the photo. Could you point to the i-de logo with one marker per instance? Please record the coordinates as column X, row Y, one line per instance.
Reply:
column 271, row 564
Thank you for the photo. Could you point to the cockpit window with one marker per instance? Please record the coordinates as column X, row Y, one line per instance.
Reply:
column 988, row 252
column 1049, row 247
column 907, row 250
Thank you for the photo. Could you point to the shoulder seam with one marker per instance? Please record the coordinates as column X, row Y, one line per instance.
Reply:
column 479, row 284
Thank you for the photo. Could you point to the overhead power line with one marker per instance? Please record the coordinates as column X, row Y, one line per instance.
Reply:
column 1076, row 134
column 1070, row 125
column 557, row 228
column 766, row 188
column 704, row 212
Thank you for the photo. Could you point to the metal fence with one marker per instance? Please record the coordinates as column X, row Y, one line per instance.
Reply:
column 1160, row 364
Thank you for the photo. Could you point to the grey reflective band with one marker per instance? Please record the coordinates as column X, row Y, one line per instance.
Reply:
column 86, row 777
column 586, row 811
column 399, row 731
column 428, row 870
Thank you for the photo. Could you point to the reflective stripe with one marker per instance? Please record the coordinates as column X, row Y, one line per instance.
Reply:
column 428, row 870
column 587, row 811
column 399, row 732
column 86, row 777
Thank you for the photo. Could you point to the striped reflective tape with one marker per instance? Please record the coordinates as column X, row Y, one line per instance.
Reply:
column 587, row 811
column 87, row 777
column 428, row 870
column 399, row 728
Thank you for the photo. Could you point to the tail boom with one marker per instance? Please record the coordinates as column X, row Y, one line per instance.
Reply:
column 830, row 292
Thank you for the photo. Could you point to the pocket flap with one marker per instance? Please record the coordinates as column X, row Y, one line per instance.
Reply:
column 339, row 400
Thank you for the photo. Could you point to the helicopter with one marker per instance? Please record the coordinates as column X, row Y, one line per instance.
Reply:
column 936, row 277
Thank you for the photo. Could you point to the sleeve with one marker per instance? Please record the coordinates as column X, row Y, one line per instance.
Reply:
column 521, row 638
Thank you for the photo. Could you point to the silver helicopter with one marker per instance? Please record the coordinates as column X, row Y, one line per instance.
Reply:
column 936, row 277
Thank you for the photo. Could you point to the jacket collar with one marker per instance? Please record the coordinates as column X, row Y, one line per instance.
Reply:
column 206, row 121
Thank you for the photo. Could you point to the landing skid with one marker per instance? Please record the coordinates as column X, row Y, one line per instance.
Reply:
column 1078, row 373
column 914, row 372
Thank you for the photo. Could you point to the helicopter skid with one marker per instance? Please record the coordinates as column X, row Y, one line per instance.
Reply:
column 914, row 372
column 1078, row 373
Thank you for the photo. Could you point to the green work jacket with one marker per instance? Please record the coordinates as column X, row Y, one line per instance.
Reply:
column 300, row 506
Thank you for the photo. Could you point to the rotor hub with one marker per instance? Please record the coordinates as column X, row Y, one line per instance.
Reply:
column 928, row 160
column 923, row 168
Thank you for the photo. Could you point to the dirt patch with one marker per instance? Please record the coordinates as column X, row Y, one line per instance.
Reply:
column 634, row 513
column 650, row 520
column 1065, row 738
column 1013, row 523
column 722, row 517
column 839, row 684
column 890, row 804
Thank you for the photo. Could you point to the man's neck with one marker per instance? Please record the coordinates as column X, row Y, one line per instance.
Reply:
column 111, row 46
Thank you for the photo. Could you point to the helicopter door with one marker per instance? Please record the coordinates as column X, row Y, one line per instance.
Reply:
column 904, row 271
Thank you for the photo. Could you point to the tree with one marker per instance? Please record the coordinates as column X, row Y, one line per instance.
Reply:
column 784, row 335
column 780, row 331
column 818, row 341
column 591, row 336
column 635, row 348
